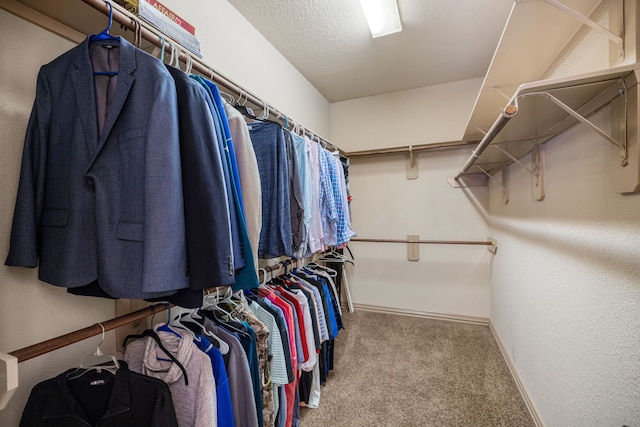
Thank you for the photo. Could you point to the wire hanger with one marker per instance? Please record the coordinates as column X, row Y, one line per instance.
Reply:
column 97, row 361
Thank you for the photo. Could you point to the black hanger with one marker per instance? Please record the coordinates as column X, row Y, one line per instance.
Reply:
column 248, row 112
column 245, row 111
column 151, row 333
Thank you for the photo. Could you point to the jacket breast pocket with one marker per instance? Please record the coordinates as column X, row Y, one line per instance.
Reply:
column 130, row 230
column 54, row 217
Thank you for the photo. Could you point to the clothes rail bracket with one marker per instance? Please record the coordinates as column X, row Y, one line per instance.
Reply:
column 540, row 111
column 8, row 378
column 412, row 164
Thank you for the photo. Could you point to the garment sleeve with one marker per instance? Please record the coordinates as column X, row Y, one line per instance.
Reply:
column 164, row 414
column 25, row 235
column 165, row 256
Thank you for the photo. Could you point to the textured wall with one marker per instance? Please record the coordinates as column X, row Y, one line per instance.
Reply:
column 452, row 280
column 564, row 286
column 436, row 113
column 565, row 295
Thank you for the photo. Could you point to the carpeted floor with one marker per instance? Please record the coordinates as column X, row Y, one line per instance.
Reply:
column 393, row 370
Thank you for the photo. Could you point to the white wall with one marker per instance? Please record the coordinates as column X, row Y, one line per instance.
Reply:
column 238, row 51
column 565, row 295
column 564, row 286
column 428, row 114
column 448, row 280
column 32, row 311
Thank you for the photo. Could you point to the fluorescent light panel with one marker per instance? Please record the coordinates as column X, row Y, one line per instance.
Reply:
column 382, row 16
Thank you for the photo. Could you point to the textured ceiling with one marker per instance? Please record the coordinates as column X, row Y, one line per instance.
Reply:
column 329, row 42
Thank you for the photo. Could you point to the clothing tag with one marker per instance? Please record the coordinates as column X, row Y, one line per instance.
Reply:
column 97, row 382
column 108, row 46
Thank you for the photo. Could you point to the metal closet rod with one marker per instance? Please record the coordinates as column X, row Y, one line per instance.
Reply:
column 428, row 242
column 497, row 126
column 409, row 148
column 155, row 37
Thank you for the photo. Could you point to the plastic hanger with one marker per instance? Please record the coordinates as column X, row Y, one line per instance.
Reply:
column 244, row 110
column 151, row 333
column 165, row 327
column 105, row 35
column 193, row 321
column 97, row 361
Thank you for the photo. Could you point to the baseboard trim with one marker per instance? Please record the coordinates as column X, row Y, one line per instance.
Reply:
column 425, row 314
column 516, row 377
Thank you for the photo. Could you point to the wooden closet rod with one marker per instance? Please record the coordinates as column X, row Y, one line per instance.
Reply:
column 429, row 242
column 155, row 37
column 52, row 344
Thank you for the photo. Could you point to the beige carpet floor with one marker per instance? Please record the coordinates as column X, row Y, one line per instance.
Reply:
column 394, row 370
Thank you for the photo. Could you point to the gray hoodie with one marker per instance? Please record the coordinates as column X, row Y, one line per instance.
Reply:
column 195, row 404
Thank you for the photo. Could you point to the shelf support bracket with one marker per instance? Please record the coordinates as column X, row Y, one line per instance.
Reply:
column 503, row 184
column 506, row 153
column 589, row 22
column 536, row 171
column 621, row 145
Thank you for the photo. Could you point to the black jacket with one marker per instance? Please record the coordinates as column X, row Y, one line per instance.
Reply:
column 101, row 400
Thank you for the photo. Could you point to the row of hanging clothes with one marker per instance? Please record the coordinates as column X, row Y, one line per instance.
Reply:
column 244, row 358
column 138, row 180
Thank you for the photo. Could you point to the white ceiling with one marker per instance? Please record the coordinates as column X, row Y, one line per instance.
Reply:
column 329, row 42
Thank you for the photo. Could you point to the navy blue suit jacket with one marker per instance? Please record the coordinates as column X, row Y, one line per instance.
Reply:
column 100, row 195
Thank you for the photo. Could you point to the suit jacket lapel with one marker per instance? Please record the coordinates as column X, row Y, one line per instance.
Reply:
column 126, row 79
column 82, row 78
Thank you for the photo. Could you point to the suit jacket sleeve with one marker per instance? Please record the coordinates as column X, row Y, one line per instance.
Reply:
column 163, row 204
column 25, row 236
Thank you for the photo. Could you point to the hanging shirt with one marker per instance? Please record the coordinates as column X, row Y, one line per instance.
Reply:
column 249, row 176
column 234, row 216
column 246, row 273
column 306, row 327
column 269, row 146
column 315, row 228
column 302, row 153
column 223, row 395
column 240, row 385
column 277, row 366
column 329, row 210
column 345, row 233
column 319, row 304
column 296, row 196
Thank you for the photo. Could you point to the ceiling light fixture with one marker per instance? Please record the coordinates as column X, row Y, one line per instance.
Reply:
column 382, row 16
